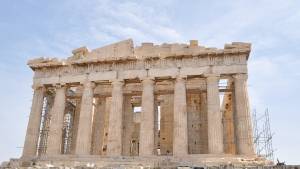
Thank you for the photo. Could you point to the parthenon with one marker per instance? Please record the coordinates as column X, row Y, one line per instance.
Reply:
column 121, row 100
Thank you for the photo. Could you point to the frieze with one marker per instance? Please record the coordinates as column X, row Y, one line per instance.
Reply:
column 141, row 65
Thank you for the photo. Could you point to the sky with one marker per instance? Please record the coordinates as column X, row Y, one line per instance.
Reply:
column 35, row 28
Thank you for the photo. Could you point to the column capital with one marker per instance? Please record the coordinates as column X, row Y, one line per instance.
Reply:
column 117, row 82
column 37, row 87
column 59, row 85
column 240, row 76
column 181, row 78
column 89, row 84
column 212, row 77
column 208, row 75
column 148, row 80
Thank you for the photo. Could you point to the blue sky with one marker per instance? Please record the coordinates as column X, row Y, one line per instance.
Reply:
column 33, row 28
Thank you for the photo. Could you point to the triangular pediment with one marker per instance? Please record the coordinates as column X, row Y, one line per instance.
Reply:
column 122, row 49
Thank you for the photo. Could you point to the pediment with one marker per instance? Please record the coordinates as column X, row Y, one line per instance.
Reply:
column 122, row 49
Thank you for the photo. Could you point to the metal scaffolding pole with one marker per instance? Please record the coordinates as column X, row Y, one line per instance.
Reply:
column 263, row 135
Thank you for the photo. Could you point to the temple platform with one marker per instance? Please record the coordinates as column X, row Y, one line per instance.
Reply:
column 91, row 161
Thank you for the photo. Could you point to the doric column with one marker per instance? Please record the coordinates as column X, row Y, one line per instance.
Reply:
column 54, row 142
column 33, row 127
column 84, row 133
column 243, row 125
column 106, row 126
column 203, row 120
column 146, row 146
column 180, row 133
column 128, row 126
column 75, row 125
column 114, row 147
column 156, row 121
column 214, row 116
column 98, row 126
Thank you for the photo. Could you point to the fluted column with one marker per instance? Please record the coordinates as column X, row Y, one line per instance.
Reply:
column 146, row 146
column 75, row 125
column 203, row 129
column 84, row 133
column 156, row 120
column 214, row 116
column 98, row 126
column 33, row 127
column 180, row 133
column 54, row 142
column 243, row 125
column 114, row 147
column 128, row 126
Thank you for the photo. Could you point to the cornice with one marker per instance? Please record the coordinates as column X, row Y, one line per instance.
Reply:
column 124, row 51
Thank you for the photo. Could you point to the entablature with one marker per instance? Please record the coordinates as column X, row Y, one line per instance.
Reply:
column 124, row 51
column 122, row 61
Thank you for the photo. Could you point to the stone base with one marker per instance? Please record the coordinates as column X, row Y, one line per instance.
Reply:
column 91, row 161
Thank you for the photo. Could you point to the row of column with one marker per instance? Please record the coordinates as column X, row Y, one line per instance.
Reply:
column 180, row 135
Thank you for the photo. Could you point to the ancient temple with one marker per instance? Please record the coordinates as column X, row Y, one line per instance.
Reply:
column 181, row 101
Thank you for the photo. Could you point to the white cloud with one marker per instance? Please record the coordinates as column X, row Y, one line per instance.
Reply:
column 143, row 23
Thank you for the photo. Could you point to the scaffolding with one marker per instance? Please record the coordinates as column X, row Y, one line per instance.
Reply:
column 45, row 123
column 263, row 135
column 68, row 123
